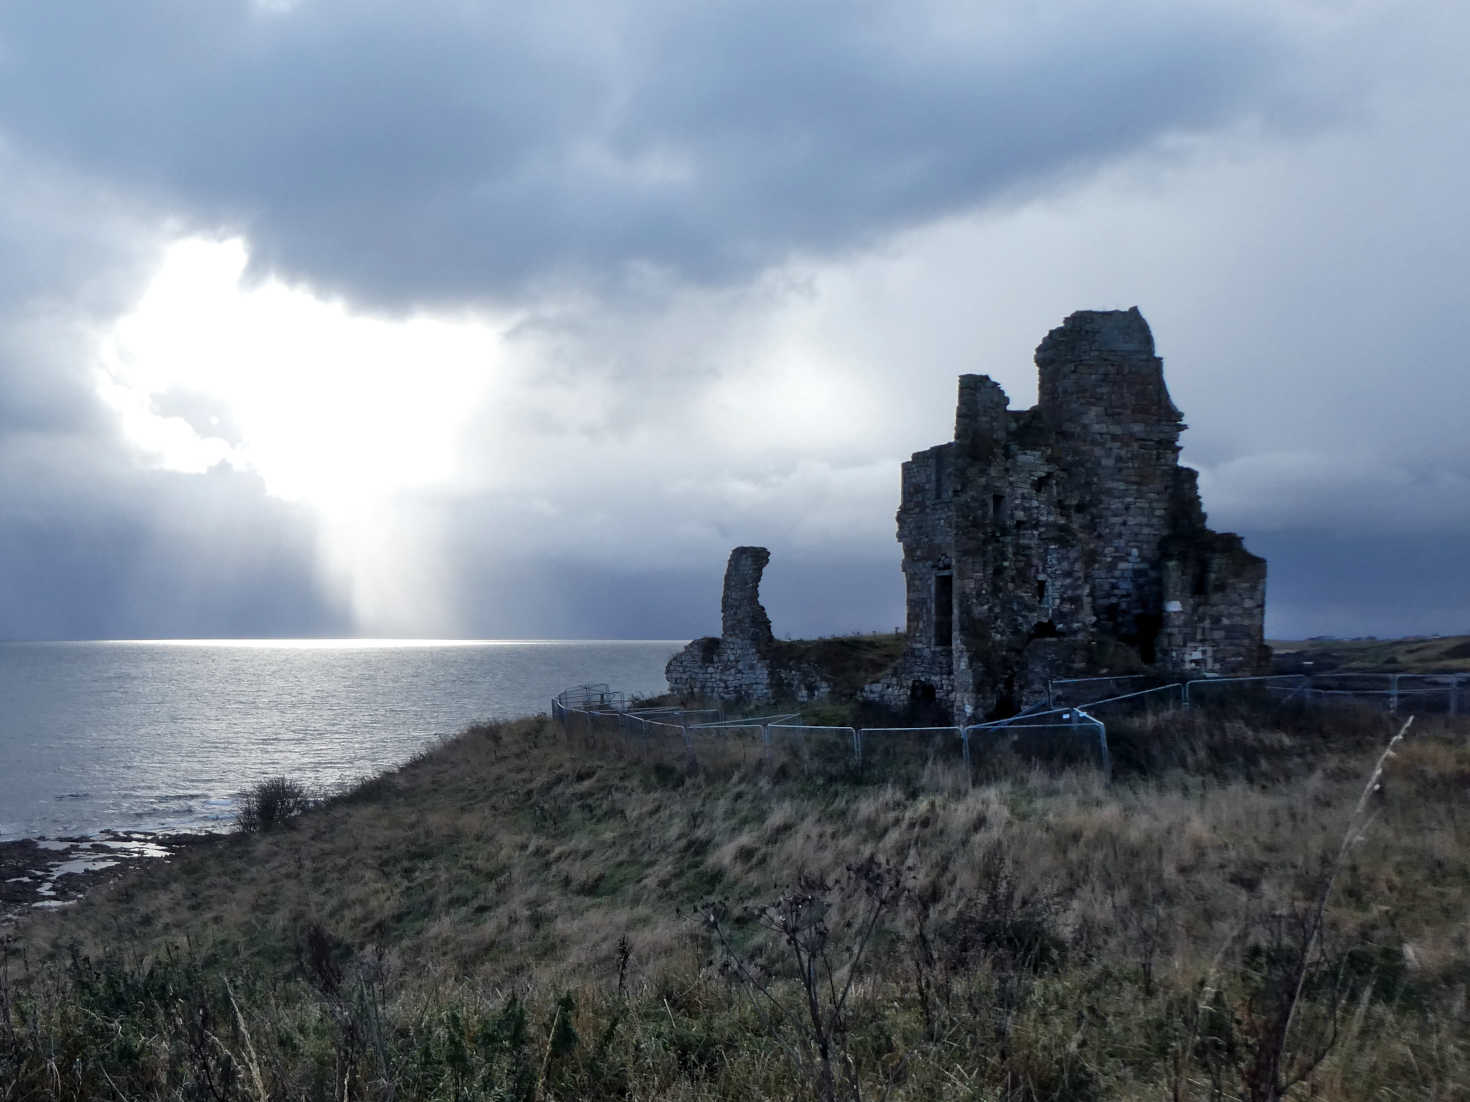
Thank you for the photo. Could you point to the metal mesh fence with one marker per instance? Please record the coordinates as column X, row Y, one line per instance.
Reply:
column 1254, row 692
column 908, row 751
column 704, row 738
column 729, row 746
column 813, row 751
column 1424, row 694
column 1156, row 699
column 1082, row 691
column 1063, row 735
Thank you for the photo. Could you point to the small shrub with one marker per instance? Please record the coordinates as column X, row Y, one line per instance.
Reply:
column 270, row 804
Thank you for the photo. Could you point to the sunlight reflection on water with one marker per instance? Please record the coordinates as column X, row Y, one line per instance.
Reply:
column 147, row 734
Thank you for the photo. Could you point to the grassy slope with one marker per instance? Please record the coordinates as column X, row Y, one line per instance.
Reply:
column 848, row 662
column 1414, row 655
column 1069, row 924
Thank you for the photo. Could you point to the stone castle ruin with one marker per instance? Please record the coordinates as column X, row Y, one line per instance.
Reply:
column 1049, row 542
column 744, row 662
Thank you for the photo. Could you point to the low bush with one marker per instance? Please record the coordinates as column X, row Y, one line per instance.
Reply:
column 270, row 804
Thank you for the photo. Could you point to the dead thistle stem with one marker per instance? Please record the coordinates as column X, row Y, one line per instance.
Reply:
column 798, row 920
column 251, row 1061
column 1356, row 827
column 546, row 1058
column 1206, row 993
column 1276, row 1084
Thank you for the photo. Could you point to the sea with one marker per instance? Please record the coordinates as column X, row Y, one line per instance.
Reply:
column 164, row 735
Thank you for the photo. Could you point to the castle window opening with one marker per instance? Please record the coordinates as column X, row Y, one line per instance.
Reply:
column 1201, row 585
column 943, row 609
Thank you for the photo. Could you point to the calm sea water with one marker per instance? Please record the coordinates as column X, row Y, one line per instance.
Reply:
column 164, row 735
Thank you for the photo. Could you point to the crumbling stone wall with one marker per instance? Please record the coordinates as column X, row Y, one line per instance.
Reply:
column 741, row 664
column 742, row 616
column 1048, row 542
column 1214, row 603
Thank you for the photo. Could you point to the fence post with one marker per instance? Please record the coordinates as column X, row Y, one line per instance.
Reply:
column 965, row 746
column 1393, row 694
column 1454, row 696
column 766, row 741
column 1102, row 745
column 1184, row 693
column 688, row 745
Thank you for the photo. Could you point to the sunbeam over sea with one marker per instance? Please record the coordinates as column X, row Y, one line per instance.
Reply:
column 163, row 735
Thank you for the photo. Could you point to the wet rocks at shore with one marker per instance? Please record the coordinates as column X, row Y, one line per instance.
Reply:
column 41, row 873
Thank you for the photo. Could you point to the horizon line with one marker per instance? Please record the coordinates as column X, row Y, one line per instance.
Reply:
column 305, row 642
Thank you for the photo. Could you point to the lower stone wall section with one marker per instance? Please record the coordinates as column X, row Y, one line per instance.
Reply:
column 738, row 671
column 923, row 676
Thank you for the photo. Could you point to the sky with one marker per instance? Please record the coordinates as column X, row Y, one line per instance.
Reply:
column 348, row 317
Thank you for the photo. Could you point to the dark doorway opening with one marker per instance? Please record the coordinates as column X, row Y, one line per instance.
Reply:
column 1147, row 638
column 943, row 610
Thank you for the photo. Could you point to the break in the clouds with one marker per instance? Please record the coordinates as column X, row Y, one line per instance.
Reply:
column 463, row 319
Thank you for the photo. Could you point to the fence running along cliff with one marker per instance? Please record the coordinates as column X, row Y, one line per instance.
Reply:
column 1072, row 722
column 1422, row 693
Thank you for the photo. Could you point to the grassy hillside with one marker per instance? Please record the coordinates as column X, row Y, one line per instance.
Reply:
column 848, row 662
column 1414, row 655
column 517, row 915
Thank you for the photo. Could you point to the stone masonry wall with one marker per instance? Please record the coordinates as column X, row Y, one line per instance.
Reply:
column 1065, row 534
column 1102, row 390
column 1214, row 605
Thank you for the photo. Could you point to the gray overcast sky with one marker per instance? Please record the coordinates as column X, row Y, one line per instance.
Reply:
column 454, row 319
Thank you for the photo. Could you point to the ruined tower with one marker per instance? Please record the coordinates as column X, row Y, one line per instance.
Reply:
column 1055, row 540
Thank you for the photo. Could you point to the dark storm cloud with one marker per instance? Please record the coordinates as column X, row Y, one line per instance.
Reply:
column 570, row 595
column 37, row 402
column 1323, row 581
column 620, row 176
column 446, row 152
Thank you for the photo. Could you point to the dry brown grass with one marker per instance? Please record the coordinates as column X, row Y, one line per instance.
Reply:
column 514, row 859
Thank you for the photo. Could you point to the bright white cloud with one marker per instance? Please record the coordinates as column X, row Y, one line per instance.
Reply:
column 335, row 408
column 338, row 410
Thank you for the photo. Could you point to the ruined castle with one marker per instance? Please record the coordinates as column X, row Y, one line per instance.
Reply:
column 1051, row 542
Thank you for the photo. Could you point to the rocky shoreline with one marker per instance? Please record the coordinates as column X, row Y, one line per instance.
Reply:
column 43, row 873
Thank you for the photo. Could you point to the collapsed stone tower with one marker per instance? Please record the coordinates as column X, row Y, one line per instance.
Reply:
column 743, row 618
column 745, row 663
column 1051, row 541
column 733, row 666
